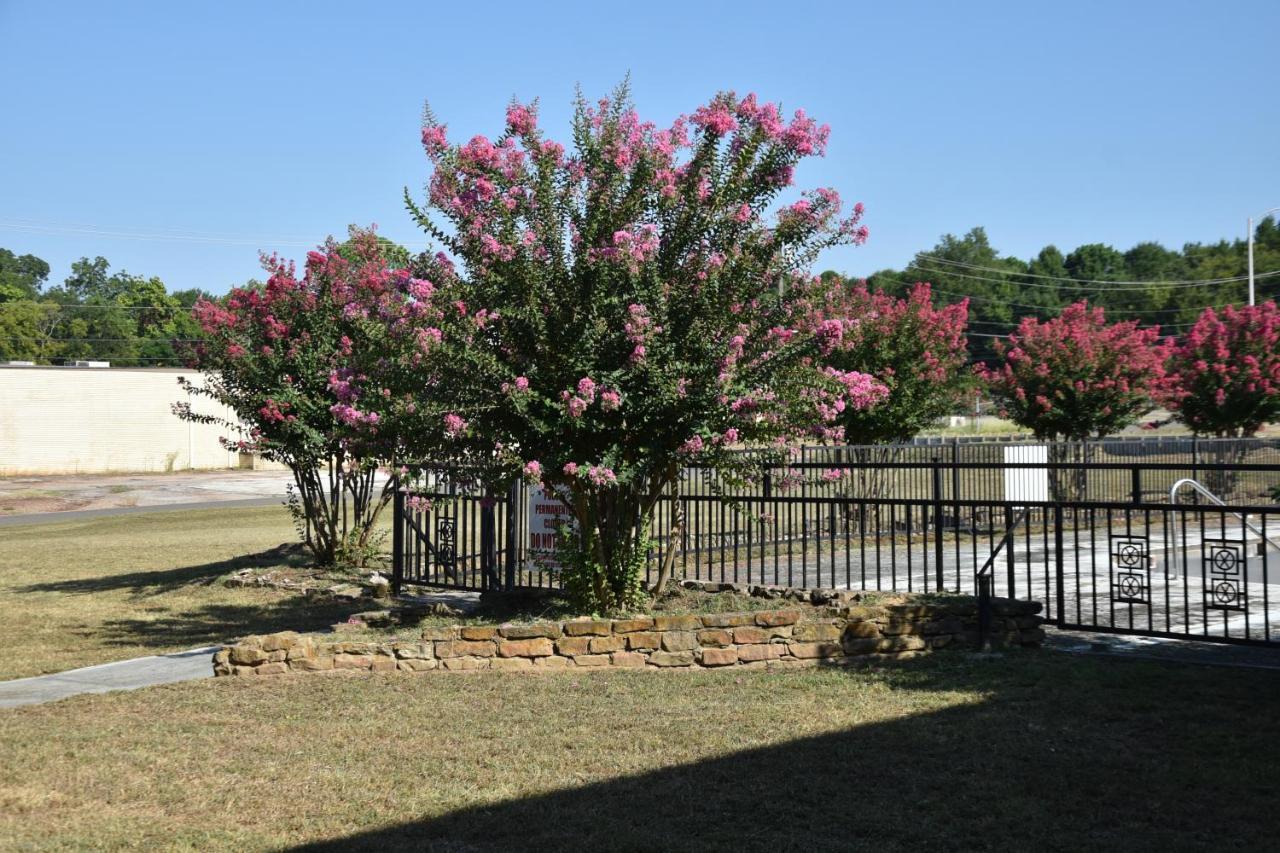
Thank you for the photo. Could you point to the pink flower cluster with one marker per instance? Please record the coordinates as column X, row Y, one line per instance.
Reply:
column 638, row 245
column 353, row 417
column 577, row 403
column 454, row 425
column 597, row 475
column 518, row 387
column 522, row 119
column 640, row 328
column 602, row 476
column 274, row 412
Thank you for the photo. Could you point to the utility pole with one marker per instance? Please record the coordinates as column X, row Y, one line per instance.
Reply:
column 1251, row 260
column 1264, row 216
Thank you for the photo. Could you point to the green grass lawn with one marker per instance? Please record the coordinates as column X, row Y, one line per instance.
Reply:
column 1032, row 750
column 90, row 591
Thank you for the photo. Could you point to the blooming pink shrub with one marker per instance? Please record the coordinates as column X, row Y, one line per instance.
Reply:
column 619, row 308
column 289, row 359
column 915, row 351
column 1225, row 372
column 1075, row 376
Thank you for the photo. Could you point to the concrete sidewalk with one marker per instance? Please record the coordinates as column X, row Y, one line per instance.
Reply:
column 1168, row 649
column 103, row 678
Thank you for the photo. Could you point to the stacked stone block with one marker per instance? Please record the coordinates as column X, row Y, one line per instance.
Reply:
column 764, row 639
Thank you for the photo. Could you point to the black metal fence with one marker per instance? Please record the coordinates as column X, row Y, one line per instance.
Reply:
column 1236, row 469
column 1189, row 568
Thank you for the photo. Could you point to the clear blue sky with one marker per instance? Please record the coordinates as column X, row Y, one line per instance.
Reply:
column 271, row 124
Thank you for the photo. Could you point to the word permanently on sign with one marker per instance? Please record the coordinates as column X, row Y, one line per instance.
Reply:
column 546, row 513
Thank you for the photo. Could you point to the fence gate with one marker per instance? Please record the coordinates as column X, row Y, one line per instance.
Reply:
column 456, row 535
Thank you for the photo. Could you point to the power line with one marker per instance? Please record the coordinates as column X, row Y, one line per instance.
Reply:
column 898, row 277
column 1192, row 282
column 1090, row 289
column 1011, row 324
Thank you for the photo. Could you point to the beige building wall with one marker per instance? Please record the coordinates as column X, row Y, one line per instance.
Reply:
column 67, row 420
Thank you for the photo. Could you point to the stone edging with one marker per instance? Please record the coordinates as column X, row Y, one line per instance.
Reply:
column 764, row 639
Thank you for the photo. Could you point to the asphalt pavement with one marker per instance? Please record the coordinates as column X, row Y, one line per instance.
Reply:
column 80, row 514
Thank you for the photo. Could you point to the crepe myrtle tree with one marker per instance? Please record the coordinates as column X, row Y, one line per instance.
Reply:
column 610, row 313
column 281, row 356
column 1224, row 381
column 916, row 350
column 1076, row 377
column 1225, row 372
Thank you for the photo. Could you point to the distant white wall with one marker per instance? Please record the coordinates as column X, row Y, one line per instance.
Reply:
column 64, row 420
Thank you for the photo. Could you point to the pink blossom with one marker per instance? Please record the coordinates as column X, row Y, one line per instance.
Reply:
column 521, row 119
column 454, row 425
column 601, row 476
column 552, row 150
column 692, row 445
column 433, row 139
column 533, row 471
column 716, row 118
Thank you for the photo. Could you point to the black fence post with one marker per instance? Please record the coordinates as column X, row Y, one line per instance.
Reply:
column 937, row 523
column 955, row 474
column 1195, row 466
column 984, row 611
column 488, row 544
column 1010, row 562
column 1136, row 484
column 1059, row 566
column 513, row 501
column 397, row 540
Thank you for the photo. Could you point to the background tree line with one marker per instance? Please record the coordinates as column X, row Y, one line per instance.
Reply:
column 95, row 314
column 1002, row 289
column 129, row 320
column 133, row 320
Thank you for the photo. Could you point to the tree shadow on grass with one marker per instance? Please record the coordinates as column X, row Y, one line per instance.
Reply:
column 287, row 555
column 203, row 624
column 1035, row 765
column 218, row 623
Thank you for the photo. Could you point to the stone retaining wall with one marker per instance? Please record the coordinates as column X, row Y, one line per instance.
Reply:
column 764, row 639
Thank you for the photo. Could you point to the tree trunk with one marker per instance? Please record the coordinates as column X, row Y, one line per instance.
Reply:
column 674, row 533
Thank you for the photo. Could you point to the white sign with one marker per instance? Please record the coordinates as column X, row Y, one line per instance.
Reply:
column 546, row 513
column 1026, row 485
